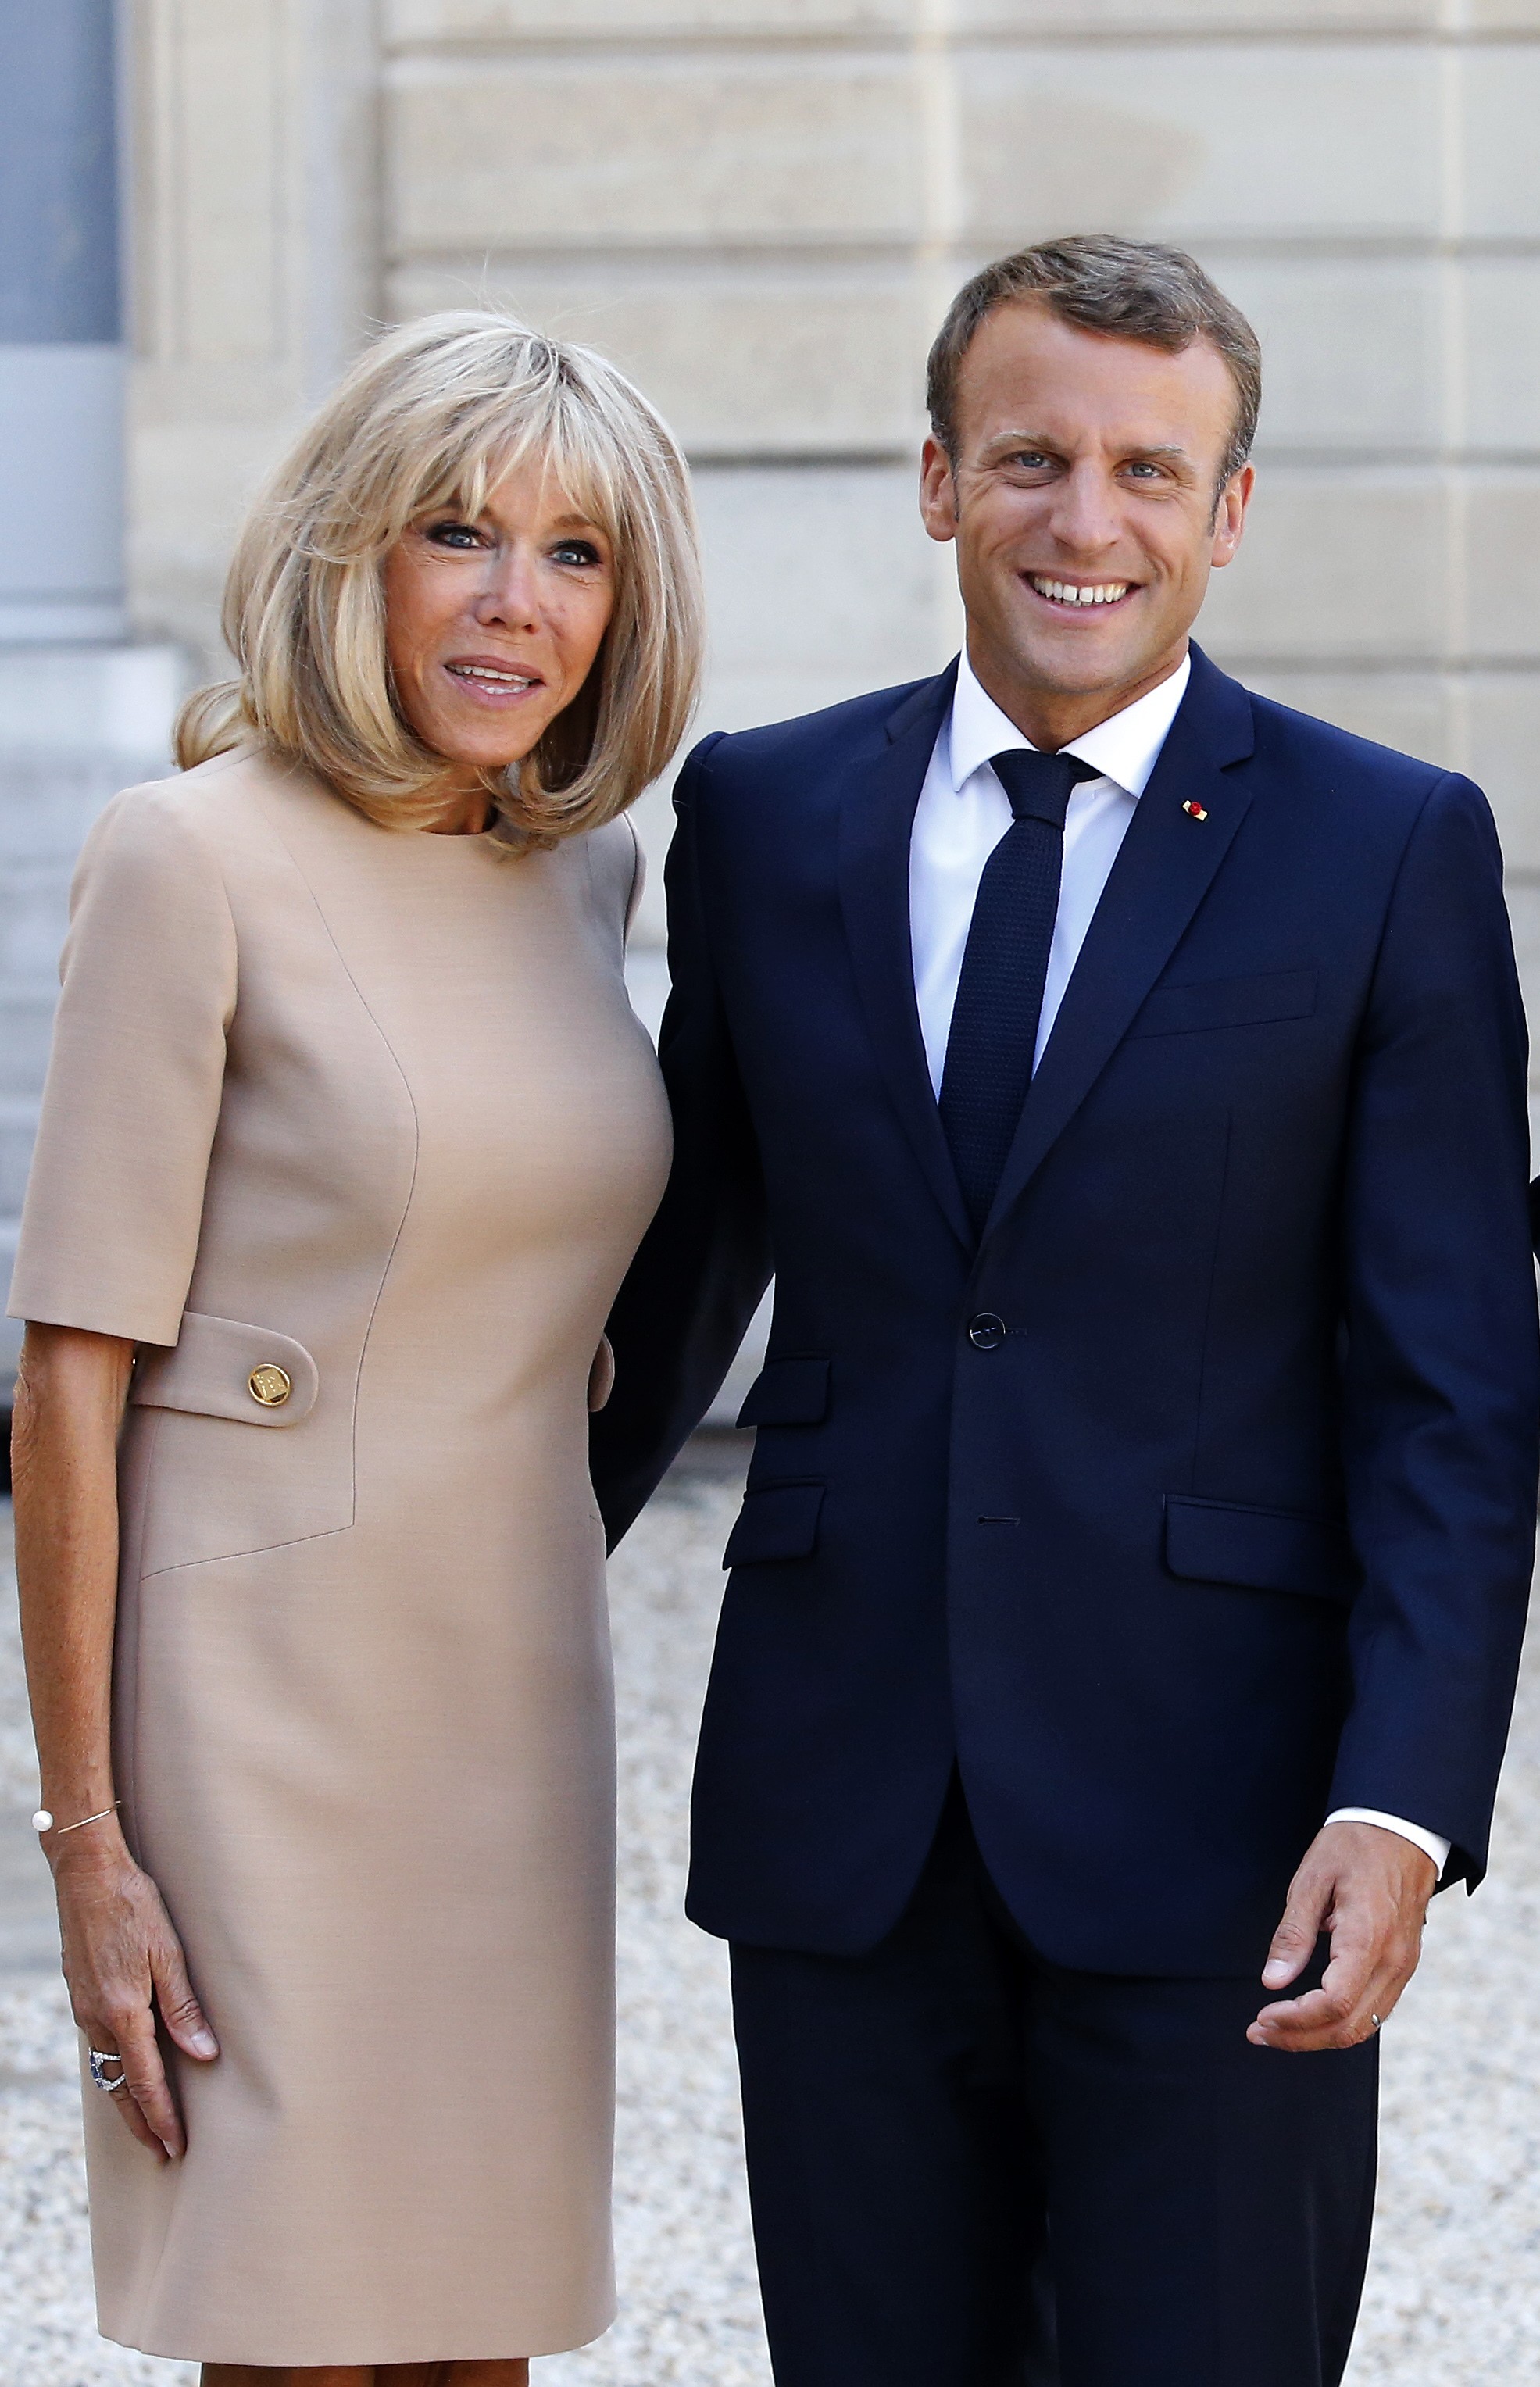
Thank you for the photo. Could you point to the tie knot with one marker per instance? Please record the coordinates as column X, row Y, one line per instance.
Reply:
column 1038, row 785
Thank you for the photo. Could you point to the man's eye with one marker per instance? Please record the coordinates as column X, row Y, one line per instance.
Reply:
column 1148, row 472
column 1031, row 460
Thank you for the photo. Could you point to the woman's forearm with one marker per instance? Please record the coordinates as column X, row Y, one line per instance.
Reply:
column 70, row 1396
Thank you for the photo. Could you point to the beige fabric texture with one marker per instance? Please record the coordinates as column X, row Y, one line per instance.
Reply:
column 372, row 1108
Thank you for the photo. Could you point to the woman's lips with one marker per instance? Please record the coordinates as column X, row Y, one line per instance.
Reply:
column 497, row 685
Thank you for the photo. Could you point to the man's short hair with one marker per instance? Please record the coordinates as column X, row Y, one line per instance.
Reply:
column 1126, row 289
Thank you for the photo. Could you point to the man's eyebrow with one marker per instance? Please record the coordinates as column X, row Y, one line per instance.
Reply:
column 1006, row 442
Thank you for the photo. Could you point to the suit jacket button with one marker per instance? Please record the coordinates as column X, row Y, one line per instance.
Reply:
column 986, row 1332
column 270, row 1385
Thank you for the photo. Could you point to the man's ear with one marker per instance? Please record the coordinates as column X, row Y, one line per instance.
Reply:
column 937, row 492
column 1230, row 514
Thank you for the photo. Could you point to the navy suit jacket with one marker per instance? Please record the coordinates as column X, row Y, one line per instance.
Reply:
column 1197, row 1498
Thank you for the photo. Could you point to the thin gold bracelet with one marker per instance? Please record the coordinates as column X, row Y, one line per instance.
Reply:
column 44, row 1821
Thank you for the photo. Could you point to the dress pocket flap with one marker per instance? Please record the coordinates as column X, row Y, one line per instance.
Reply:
column 1227, row 1003
column 219, row 1368
column 1263, row 1549
column 780, row 1521
column 787, row 1391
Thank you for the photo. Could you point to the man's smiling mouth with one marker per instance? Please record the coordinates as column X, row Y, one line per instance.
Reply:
column 1071, row 593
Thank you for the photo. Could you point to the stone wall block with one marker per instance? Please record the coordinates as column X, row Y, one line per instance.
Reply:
column 1503, row 738
column 1501, row 106
column 1341, row 565
column 760, row 361
column 1502, row 16
column 550, row 154
column 1414, row 711
column 1501, row 340
column 213, row 266
column 455, row 21
column 1502, row 568
column 1107, row 20
column 1350, row 350
column 1177, row 142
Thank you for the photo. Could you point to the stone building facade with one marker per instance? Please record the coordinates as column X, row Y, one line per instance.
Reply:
column 761, row 207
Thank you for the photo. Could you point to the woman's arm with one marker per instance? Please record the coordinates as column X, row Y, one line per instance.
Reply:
column 119, row 1950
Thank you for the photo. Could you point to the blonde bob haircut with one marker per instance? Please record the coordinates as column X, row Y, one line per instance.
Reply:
column 434, row 413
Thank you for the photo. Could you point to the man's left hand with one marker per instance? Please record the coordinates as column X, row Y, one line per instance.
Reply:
column 1369, row 1889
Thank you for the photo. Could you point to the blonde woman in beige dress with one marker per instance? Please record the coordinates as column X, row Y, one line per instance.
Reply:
column 349, row 1136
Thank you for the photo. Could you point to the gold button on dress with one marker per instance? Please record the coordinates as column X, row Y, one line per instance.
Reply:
column 374, row 1102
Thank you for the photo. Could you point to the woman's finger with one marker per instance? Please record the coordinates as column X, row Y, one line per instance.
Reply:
column 180, row 2010
column 148, row 2089
column 101, row 2038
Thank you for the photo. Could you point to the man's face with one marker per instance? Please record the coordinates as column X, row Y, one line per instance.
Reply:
column 1082, row 503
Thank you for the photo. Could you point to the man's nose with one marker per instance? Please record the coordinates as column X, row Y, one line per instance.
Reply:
column 1085, row 514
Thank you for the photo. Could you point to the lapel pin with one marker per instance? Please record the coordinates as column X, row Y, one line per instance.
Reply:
column 1194, row 812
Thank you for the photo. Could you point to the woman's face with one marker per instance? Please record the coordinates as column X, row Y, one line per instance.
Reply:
column 492, row 625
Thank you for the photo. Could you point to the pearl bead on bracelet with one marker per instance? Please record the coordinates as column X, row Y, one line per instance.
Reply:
column 44, row 1821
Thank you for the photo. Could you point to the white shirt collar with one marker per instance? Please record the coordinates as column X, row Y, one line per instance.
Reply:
column 1124, row 748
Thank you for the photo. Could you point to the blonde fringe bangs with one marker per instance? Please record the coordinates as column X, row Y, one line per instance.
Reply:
column 436, row 413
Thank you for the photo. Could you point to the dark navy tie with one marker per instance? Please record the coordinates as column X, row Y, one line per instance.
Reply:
column 994, row 1020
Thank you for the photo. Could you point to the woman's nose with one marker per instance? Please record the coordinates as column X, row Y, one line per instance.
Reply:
column 508, row 594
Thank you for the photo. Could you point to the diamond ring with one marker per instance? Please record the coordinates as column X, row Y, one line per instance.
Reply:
column 98, row 2073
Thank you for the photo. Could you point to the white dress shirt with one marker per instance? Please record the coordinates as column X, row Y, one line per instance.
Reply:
column 963, row 814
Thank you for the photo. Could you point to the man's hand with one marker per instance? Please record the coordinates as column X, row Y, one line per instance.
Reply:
column 1369, row 1888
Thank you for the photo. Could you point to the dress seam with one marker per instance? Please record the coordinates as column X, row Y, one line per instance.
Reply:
column 371, row 1015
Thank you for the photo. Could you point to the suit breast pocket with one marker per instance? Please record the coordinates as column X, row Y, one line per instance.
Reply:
column 251, row 1449
column 1227, row 1003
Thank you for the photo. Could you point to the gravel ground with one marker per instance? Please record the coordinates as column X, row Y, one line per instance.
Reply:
column 1454, row 2294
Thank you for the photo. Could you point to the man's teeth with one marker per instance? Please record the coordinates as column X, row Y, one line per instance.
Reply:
column 496, row 678
column 1067, row 594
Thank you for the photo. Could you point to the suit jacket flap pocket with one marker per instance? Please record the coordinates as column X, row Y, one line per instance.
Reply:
column 787, row 1391
column 219, row 1368
column 1265, row 1549
column 777, row 1523
column 1227, row 1003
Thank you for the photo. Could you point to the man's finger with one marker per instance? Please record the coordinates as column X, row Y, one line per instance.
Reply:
column 1293, row 1941
column 1357, row 1985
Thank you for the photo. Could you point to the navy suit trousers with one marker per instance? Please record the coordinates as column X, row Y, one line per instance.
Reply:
column 953, row 2144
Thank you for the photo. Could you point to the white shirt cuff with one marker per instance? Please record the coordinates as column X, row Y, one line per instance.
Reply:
column 1430, row 1843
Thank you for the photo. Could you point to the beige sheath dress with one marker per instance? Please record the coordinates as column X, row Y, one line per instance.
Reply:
column 354, row 1133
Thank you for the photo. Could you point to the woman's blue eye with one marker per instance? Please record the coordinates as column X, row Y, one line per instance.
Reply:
column 452, row 534
column 576, row 550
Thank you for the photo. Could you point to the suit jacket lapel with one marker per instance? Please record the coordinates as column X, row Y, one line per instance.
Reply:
column 877, row 819
column 1168, row 862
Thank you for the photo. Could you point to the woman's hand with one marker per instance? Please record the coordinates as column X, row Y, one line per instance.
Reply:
column 122, row 1961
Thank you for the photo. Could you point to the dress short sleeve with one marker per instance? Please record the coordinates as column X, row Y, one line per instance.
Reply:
column 109, row 1228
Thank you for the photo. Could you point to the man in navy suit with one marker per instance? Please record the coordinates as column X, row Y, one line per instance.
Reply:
column 1124, row 1078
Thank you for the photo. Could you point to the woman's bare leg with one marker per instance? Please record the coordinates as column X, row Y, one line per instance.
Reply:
column 387, row 2374
column 453, row 2374
column 248, row 2374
